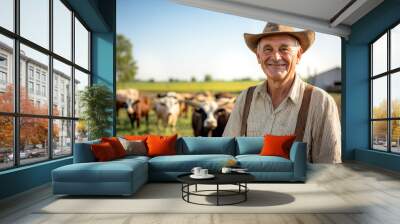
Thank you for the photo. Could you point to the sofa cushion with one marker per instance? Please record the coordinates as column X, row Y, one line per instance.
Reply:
column 116, row 145
column 134, row 147
column 249, row 145
column 103, row 152
column 161, row 145
column 257, row 163
column 277, row 145
column 206, row 145
column 185, row 163
column 111, row 171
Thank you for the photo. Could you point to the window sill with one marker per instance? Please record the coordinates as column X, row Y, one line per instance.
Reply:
column 26, row 167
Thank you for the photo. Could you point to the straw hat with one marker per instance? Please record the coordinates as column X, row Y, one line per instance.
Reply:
column 305, row 38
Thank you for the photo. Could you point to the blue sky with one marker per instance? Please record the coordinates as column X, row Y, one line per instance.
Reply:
column 176, row 41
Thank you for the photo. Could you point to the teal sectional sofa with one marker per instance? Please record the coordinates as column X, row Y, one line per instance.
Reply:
column 125, row 176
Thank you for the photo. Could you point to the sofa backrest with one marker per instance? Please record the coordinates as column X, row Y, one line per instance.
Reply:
column 206, row 145
column 83, row 152
column 249, row 145
column 190, row 146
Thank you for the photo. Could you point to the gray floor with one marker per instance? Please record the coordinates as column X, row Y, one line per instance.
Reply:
column 378, row 188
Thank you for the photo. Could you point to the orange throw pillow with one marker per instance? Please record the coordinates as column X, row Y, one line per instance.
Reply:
column 161, row 145
column 116, row 145
column 103, row 151
column 135, row 137
column 277, row 145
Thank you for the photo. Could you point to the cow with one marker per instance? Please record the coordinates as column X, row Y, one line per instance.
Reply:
column 141, row 109
column 184, row 107
column 136, row 106
column 166, row 107
column 126, row 98
column 211, row 113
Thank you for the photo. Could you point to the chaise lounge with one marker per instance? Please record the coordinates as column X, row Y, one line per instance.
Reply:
column 125, row 176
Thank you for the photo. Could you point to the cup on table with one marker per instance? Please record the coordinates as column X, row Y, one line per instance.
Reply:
column 196, row 171
column 203, row 172
column 226, row 170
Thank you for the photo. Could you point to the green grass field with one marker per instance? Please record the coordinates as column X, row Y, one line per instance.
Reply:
column 186, row 87
column 183, row 126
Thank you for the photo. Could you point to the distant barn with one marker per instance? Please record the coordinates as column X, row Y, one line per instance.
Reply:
column 329, row 80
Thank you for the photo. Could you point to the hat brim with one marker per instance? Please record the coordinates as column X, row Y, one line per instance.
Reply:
column 306, row 38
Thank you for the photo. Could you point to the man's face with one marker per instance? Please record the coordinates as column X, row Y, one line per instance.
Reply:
column 278, row 56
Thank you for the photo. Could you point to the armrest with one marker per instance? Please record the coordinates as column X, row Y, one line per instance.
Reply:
column 298, row 155
column 83, row 152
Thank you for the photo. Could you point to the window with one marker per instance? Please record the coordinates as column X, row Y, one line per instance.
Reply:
column 35, row 21
column 38, row 89
column 7, row 14
column 62, row 31
column 30, row 87
column 33, row 148
column 54, row 126
column 62, row 75
column 3, row 72
column 6, row 142
column 30, row 72
column 81, row 81
column 62, row 140
column 3, row 78
column 385, row 96
column 81, row 45
column 6, row 73
column 37, row 75
column 3, row 61
column 44, row 91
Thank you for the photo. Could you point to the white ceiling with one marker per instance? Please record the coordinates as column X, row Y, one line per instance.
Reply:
column 325, row 16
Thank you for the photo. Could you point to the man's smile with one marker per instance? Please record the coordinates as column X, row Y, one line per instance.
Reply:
column 276, row 65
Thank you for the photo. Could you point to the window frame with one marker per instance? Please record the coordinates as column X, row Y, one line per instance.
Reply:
column 16, row 114
column 388, row 74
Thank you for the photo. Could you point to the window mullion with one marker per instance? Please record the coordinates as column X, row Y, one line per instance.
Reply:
column 389, row 106
column 50, row 81
column 73, row 81
column 16, row 84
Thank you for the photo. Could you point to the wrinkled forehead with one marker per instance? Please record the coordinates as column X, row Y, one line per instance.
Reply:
column 278, row 40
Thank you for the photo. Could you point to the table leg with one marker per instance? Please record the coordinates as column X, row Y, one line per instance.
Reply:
column 196, row 188
column 188, row 189
column 245, row 193
column 217, row 194
column 182, row 189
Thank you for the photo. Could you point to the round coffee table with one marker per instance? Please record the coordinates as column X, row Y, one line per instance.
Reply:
column 238, row 179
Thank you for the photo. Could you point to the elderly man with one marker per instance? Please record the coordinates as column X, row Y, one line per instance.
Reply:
column 284, row 104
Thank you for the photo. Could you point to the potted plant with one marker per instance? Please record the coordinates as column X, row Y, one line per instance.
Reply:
column 96, row 102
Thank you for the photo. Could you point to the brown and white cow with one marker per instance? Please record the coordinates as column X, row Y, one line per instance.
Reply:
column 136, row 106
column 166, row 107
column 126, row 98
column 211, row 113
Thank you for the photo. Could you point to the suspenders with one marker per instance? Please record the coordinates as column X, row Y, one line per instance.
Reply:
column 301, row 117
column 247, row 102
